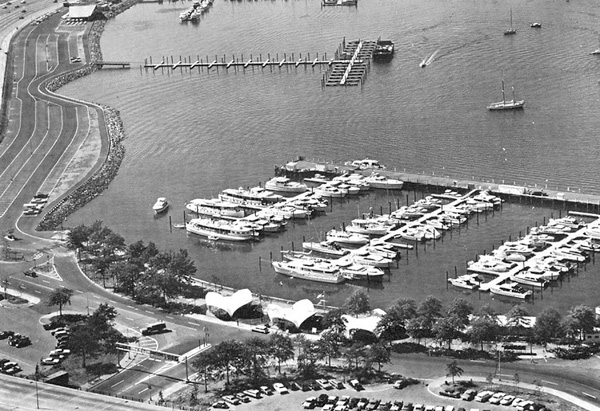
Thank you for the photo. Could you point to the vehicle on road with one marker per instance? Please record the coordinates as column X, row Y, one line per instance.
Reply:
column 30, row 273
column 155, row 328
column 262, row 329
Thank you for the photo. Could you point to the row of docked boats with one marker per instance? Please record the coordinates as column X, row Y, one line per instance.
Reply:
column 197, row 9
column 350, row 184
column 535, row 260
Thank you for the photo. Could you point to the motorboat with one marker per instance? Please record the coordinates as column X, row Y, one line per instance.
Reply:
column 373, row 260
column 511, row 289
column 215, row 208
column 326, row 247
column 536, row 25
column 315, row 204
column 366, row 164
column 220, row 229
column 530, row 279
column 507, row 104
column 256, row 197
column 467, row 281
column 344, row 237
column 360, row 272
column 376, row 180
column 321, row 271
column 384, row 50
column 369, row 227
column 330, row 191
column 161, row 205
column 489, row 265
column 268, row 224
column 413, row 234
column 285, row 185
column 384, row 249
column 316, row 180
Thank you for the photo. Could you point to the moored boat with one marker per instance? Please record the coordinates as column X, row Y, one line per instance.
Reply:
column 215, row 207
column 511, row 289
column 507, row 104
column 285, row 185
column 256, row 197
column 320, row 271
column 344, row 237
column 384, row 50
column 221, row 229
column 360, row 272
column 161, row 205
column 378, row 181
column 325, row 247
column 467, row 281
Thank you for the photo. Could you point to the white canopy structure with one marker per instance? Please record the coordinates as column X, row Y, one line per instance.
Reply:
column 229, row 304
column 296, row 314
column 364, row 323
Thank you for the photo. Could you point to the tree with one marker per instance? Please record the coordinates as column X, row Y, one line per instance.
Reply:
column 78, row 237
column 429, row 310
column 358, row 303
column 418, row 328
column 380, row 354
column 581, row 320
column 548, row 325
column 60, row 297
column 281, row 347
column 453, row 370
column 84, row 341
column 333, row 320
column 308, row 357
column 393, row 323
column 460, row 309
column 224, row 356
column 258, row 348
column 447, row 329
column 330, row 343
column 483, row 330
column 354, row 354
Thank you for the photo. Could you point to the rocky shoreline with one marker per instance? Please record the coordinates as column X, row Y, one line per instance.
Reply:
column 100, row 180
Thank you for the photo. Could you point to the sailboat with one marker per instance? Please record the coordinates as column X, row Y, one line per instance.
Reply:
column 507, row 105
column 511, row 30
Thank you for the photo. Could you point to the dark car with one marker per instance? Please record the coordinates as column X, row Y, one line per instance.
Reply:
column 220, row 404
column 6, row 334
column 356, row 385
column 294, row 386
column 306, row 387
column 373, row 404
column 30, row 273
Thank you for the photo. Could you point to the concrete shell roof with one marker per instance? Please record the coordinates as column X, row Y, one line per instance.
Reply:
column 231, row 303
column 296, row 314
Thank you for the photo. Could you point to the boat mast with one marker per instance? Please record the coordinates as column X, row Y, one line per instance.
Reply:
column 511, row 19
column 513, row 93
column 503, row 97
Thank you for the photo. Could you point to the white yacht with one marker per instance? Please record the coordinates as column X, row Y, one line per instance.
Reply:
column 467, row 281
column 344, row 237
column 378, row 181
column 320, row 271
column 221, row 229
column 161, row 205
column 511, row 289
column 326, row 247
column 360, row 272
column 285, row 185
column 256, row 197
column 215, row 208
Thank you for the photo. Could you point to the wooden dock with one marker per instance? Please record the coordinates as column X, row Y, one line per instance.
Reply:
column 348, row 67
column 113, row 64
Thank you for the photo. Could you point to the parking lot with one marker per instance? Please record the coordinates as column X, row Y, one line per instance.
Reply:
column 422, row 393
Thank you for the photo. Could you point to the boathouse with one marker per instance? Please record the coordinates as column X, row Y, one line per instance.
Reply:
column 82, row 12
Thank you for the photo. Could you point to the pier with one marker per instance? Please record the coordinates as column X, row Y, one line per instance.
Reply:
column 113, row 64
column 348, row 67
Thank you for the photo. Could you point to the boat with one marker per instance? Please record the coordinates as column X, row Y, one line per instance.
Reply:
column 360, row 272
column 219, row 229
column 595, row 52
column 378, row 181
column 530, row 279
column 369, row 227
column 467, row 281
column 256, row 197
column 344, row 237
column 161, row 205
column 536, row 25
column 384, row 50
column 366, row 164
column 285, row 185
column 507, row 105
column 511, row 289
column 325, row 247
column 215, row 208
column 330, row 191
column 321, row 271
column 315, row 180
column 295, row 255
column 372, row 260
column 511, row 30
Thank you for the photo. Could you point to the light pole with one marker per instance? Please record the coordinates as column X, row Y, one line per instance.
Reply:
column 37, row 398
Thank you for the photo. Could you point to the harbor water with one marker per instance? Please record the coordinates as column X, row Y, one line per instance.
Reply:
column 193, row 133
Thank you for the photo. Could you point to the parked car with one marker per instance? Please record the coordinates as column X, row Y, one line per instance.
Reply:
column 419, row 407
column 483, row 396
column 373, row 404
column 266, row 390
column 399, row 384
column 449, row 408
column 328, row 407
column 280, row 388
column 294, row 386
column 336, row 384
column 253, row 393
column 220, row 404
column 242, row 397
column 517, row 401
column 231, row 399
column 51, row 361
column 396, row 406
column 60, row 352
column 262, row 329
column 309, row 403
column 507, row 400
column 362, row 403
column 5, row 334
column 524, row 405
column 19, row 341
column 450, row 393
column 356, row 385
column 306, row 387
column 468, row 395
column 497, row 397
column 408, row 406
column 324, row 384
column 332, row 399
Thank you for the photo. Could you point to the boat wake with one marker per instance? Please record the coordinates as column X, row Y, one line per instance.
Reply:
column 428, row 60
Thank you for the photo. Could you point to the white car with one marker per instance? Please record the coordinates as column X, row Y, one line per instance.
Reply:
column 497, row 397
column 324, row 384
column 51, row 361
column 524, row 404
column 507, row 400
column 280, row 388
column 517, row 401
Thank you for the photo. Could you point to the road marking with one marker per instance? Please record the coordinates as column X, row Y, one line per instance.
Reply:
column 145, row 389
column 477, row 360
column 130, row 319
column 588, row 395
column 79, row 291
column 114, row 385
column 550, row 382
column 197, row 325
column 169, row 317
column 131, row 307
column 46, row 281
column 149, row 312
column 37, row 291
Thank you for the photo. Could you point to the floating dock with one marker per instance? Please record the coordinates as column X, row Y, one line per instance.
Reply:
column 351, row 71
